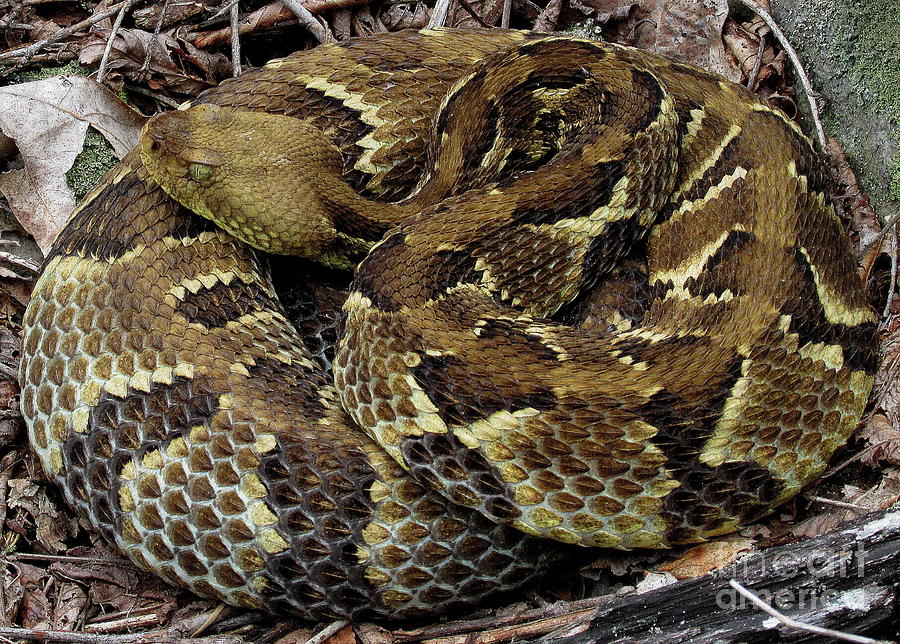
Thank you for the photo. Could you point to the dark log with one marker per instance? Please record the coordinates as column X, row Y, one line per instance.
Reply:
column 846, row 580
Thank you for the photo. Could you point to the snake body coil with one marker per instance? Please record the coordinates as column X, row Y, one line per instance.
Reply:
column 621, row 313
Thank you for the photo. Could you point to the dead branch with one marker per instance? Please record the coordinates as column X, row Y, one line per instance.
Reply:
column 23, row 55
column 798, row 67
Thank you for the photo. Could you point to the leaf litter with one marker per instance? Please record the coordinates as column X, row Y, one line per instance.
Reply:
column 47, row 120
column 89, row 587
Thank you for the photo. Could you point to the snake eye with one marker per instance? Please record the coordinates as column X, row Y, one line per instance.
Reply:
column 154, row 146
column 199, row 171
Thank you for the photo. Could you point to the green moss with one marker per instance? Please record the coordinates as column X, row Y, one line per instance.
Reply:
column 876, row 64
column 873, row 46
column 95, row 159
column 852, row 50
column 895, row 177
column 41, row 73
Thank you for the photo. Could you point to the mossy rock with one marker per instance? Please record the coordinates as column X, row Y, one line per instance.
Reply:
column 851, row 50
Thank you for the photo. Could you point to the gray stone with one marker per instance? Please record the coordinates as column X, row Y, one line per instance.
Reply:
column 851, row 50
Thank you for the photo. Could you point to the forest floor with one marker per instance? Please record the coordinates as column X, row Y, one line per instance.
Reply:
column 61, row 581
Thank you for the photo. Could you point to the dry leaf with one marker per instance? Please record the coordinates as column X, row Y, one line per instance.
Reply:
column 129, row 53
column 298, row 636
column 604, row 10
column 708, row 556
column 48, row 120
column 884, row 441
column 879, row 497
column 171, row 13
column 548, row 19
column 689, row 31
column 887, row 380
column 13, row 592
column 343, row 636
column 863, row 219
column 112, row 583
column 369, row 633
column 654, row 580
column 52, row 527
column 70, row 602
column 9, row 411
column 34, row 607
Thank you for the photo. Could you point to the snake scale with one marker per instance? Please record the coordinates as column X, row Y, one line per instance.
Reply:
column 611, row 304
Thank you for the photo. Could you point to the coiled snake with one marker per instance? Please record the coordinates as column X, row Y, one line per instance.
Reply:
column 615, row 308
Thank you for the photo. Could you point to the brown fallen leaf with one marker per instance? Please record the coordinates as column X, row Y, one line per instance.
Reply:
column 887, row 380
column 13, row 593
column 884, row 441
column 343, row 636
column 9, row 411
column 48, row 120
column 129, row 60
column 171, row 13
column 369, row 633
column 34, row 606
column 71, row 601
column 701, row 559
column 298, row 636
column 878, row 497
column 863, row 219
column 604, row 10
column 689, row 31
column 52, row 526
column 111, row 583
column 548, row 19
column 742, row 43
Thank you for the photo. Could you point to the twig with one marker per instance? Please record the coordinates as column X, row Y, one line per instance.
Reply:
column 526, row 631
column 31, row 556
column 147, row 637
column 143, row 610
column 216, row 613
column 327, row 632
column 265, row 17
column 29, row 266
column 145, row 66
column 143, row 91
column 309, row 21
column 793, row 623
column 26, row 53
column 219, row 14
column 471, row 11
column 104, row 60
column 235, row 41
column 798, row 67
column 840, row 504
column 757, row 64
column 881, row 233
column 242, row 619
column 558, row 609
column 57, row 55
column 507, row 10
column 893, row 282
column 128, row 623
column 439, row 14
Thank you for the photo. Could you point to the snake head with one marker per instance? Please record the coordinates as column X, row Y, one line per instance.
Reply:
column 180, row 146
column 257, row 176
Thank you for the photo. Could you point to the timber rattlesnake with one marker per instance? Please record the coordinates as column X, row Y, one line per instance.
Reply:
column 506, row 345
